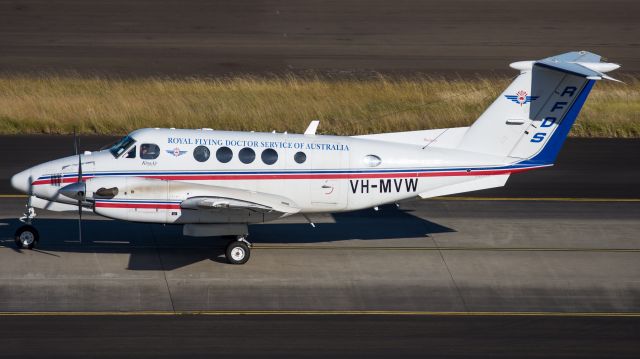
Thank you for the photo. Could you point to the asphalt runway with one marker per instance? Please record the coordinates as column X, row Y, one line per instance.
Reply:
column 438, row 255
column 336, row 37
column 313, row 336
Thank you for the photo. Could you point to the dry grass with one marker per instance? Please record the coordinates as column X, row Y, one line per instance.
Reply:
column 58, row 104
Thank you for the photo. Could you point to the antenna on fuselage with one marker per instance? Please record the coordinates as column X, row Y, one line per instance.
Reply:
column 309, row 220
column 312, row 128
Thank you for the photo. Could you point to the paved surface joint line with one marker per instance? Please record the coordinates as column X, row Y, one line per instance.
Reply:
column 329, row 313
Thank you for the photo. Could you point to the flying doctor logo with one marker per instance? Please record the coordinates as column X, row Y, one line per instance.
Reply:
column 521, row 97
column 176, row 152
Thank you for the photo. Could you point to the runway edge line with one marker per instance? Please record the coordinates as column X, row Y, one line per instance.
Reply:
column 329, row 313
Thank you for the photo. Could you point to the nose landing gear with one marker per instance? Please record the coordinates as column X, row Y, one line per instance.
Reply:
column 27, row 236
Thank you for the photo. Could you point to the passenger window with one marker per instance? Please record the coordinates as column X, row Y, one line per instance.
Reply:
column 131, row 153
column 149, row 151
column 300, row 157
column 246, row 155
column 201, row 153
column 269, row 156
column 224, row 154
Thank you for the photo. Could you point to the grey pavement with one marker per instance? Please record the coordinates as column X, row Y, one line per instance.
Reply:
column 426, row 256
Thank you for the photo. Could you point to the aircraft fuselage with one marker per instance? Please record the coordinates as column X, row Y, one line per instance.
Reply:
column 314, row 173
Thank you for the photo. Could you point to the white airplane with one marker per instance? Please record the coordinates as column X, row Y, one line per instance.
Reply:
column 215, row 183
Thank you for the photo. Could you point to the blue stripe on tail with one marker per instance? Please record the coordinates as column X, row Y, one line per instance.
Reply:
column 549, row 152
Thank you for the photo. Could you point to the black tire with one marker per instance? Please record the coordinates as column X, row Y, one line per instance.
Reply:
column 237, row 252
column 26, row 237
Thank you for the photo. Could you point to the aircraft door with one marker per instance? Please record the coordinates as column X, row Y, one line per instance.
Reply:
column 329, row 192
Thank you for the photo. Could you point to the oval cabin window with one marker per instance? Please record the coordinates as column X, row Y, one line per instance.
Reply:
column 269, row 156
column 224, row 154
column 300, row 157
column 247, row 155
column 201, row 153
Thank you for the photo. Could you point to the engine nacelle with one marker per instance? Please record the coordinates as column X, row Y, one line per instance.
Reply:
column 141, row 199
column 128, row 198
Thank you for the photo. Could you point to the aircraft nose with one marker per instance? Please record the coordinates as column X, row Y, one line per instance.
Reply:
column 21, row 181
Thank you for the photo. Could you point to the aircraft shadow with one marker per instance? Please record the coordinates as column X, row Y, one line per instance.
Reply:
column 159, row 247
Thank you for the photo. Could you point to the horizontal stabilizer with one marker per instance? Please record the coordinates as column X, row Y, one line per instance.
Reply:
column 577, row 63
column 568, row 67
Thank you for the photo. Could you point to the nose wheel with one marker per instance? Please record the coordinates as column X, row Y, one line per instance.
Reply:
column 238, row 251
column 26, row 237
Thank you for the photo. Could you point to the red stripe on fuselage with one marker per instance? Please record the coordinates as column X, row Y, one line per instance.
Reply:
column 138, row 205
column 315, row 176
column 63, row 180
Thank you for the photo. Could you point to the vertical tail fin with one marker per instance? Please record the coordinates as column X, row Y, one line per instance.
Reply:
column 532, row 117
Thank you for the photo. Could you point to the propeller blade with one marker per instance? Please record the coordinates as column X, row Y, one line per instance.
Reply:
column 80, row 221
column 75, row 142
column 30, row 193
column 78, row 189
column 79, row 168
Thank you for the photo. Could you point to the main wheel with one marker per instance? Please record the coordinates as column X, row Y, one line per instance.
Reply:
column 238, row 252
column 26, row 237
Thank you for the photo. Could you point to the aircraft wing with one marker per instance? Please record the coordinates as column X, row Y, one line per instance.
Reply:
column 224, row 198
column 227, row 205
column 265, row 205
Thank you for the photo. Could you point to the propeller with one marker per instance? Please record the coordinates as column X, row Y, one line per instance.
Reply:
column 83, row 190
column 78, row 189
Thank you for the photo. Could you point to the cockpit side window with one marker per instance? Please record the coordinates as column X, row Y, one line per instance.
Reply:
column 149, row 151
column 132, row 152
column 119, row 147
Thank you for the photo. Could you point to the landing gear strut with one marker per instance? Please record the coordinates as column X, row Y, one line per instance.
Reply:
column 238, row 251
column 27, row 236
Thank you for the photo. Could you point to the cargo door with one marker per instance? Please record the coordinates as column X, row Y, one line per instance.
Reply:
column 329, row 184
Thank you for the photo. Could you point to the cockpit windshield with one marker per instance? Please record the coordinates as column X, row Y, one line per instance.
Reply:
column 119, row 147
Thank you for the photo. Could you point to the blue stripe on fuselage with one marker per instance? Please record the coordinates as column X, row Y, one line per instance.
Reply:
column 292, row 172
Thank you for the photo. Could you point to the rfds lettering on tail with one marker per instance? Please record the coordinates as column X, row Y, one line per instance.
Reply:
column 215, row 183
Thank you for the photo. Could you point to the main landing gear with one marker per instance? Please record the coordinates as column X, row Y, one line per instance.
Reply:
column 238, row 251
column 27, row 236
